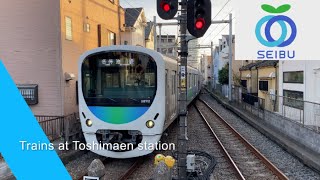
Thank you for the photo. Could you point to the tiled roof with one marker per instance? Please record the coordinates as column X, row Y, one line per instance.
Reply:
column 250, row 66
column 259, row 64
column 131, row 15
column 267, row 64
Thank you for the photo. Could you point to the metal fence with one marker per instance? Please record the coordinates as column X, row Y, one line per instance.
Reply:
column 302, row 112
column 56, row 127
column 222, row 90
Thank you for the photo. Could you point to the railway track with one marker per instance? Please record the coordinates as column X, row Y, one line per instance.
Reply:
column 127, row 173
column 246, row 161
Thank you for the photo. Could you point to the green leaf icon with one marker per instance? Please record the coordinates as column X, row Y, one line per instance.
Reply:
column 281, row 9
column 268, row 8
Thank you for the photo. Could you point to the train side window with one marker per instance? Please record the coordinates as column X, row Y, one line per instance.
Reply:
column 173, row 82
column 189, row 80
column 195, row 83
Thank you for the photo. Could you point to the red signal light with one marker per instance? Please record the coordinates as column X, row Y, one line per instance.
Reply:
column 166, row 7
column 200, row 23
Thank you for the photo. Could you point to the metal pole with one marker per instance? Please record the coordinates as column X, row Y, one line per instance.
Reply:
column 230, row 58
column 160, row 38
column 212, row 67
column 182, row 137
column 167, row 44
column 155, row 32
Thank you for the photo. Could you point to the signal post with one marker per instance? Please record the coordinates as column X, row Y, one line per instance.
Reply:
column 196, row 17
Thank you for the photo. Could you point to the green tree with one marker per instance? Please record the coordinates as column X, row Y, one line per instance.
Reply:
column 224, row 75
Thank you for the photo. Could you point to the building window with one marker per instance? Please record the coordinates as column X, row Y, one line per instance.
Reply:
column 293, row 99
column 99, row 35
column 263, row 85
column 293, row 77
column 86, row 27
column 125, row 42
column 68, row 28
column 170, row 40
column 244, row 83
column 112, row 38
column 170, row 50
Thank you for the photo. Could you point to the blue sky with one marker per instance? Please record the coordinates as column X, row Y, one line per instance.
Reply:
column 213, row 34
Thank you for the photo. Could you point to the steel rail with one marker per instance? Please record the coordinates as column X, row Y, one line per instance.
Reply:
column 132, row 169
column 256, row 152
column 225, row 152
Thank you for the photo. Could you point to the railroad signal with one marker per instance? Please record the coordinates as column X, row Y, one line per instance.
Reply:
column 199, row 17
column 167, row 9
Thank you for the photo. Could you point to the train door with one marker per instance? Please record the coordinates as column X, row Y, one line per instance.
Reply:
column 167, row 96
column 174, row 92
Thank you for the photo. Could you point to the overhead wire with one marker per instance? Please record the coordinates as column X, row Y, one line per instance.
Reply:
column 215, row 17
column 222, row 30
column 146, row 17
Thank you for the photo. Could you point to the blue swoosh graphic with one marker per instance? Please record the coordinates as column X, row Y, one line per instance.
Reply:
column 17, row 123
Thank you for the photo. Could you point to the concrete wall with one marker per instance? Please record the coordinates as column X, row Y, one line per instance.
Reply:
column 30, row 49
column 294, row 130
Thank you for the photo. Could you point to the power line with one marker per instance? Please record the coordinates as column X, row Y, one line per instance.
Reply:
column 216, row 26
column 221, row 9
column 145, row 16
column 222, row 30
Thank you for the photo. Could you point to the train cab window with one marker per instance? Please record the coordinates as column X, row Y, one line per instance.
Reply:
column 119, row 79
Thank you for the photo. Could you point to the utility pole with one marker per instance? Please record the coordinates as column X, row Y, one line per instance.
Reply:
column 160, row 39
column 182, row 139
column 230, row 58
column 212, row 67
column 196, row 17
column 155, row 33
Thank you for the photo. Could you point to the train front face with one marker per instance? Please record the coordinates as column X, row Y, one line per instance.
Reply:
column 121, row 100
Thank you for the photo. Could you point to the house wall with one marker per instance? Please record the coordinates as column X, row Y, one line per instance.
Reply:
column 248, row 79
column 263, row 73
column 254, row 81
column 136, row 36
column 150, row 42
column 92, row 12
column 139, row 35
column 310, row 89
column 30, row 49
column 216, row 67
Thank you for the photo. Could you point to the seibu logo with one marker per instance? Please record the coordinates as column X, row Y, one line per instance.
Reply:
column 283, row 41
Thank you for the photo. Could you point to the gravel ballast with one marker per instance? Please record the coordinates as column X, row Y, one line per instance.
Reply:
column 288, row 164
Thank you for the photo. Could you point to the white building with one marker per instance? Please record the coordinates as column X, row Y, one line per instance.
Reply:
column 135, row 24
column 300, row 80
column 194, row 54
column 168, row 45
column 221, row 57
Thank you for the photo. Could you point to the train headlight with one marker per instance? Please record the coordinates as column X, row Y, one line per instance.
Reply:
column 89, row 122
column 150, row 124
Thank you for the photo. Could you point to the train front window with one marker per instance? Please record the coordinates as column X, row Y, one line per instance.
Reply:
column 119, row 79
